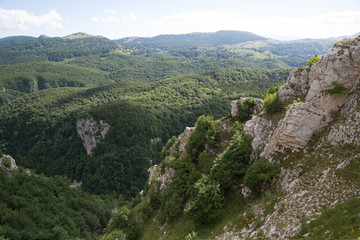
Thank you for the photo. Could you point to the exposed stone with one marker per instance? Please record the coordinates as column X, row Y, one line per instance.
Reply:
column 298, row 126
column 234, row 108
column 341, row 65
column 91, row 132
column 8, row 163
column 296, row 86
column 156, row 175
column 184, row 137
column 260, row 129
column 154, row 141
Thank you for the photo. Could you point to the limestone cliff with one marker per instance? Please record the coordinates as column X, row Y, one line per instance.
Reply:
column 91, row 132
column 319, row 88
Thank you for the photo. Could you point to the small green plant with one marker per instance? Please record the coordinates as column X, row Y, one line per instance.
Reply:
column 338, row 89
column 260, row 172
column 166, row 149
column 1, row 153
column 6, row 162
column 272, row 101
column 313, row 60
column 191, row 236
column 244, row 108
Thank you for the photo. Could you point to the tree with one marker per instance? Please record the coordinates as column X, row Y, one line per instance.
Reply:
column 208, row 201
column 260, row 172
column 312, row 60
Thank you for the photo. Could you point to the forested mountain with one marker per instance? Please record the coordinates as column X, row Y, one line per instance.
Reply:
column 136, row 113
column 9, row 41
column 54, row 49
column 185, row 41
column 99, row 112
column 19, row 79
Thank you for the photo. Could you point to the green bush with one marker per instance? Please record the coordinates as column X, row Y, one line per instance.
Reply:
column 206, row 132
column 208, row 201
column 230, row 167
column 166, row 149
column 260, row 172
column 119, row 220
column 338, row 89
column 272, row 101
column 114, row 235
column 312, row 60
column 6, row 162
column 244, row 108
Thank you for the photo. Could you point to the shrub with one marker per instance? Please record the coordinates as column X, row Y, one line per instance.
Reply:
column 166, row 149
column 260, row 172
column 206, row 132
column 338, row 89
column 208, row 201
column 6, row 162
column 272, row 103
column 119, row 219
column 244, row 108
column 312, row 60
column 114, row 235
column 230, row 166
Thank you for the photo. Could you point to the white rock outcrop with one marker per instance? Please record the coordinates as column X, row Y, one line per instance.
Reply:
column 340, row 65
column 91, row 132
column 8, row 163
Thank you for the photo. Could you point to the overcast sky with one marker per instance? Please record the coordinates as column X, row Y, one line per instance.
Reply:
column 124, row 18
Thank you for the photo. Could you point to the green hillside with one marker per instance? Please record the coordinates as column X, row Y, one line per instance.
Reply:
column 186, row 41
column 22, row 78
column 37, row 207
column 136, row 112
column 54, row 49
column 9, row 41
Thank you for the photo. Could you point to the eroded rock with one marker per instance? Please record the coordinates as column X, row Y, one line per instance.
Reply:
column 91, row 132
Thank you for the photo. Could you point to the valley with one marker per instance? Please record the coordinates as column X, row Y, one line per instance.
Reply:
column 133, row 98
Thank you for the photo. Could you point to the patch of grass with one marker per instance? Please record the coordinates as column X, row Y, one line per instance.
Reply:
column 341, row 222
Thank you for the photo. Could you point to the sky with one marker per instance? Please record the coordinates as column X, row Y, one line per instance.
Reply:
column 114, row 19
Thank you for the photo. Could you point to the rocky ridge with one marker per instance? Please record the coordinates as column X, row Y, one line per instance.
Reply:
column 333, row 115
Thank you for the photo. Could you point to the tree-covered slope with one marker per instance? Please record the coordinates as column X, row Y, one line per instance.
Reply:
column 22, row 78
column 9, row 41
column 136, row 113
column 33, row 206
column 54, row 49
column 185, row 41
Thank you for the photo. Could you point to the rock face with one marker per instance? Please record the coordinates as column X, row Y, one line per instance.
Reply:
column 8, row 163
column 91, row 132
column 336, row 114
column 340, row 66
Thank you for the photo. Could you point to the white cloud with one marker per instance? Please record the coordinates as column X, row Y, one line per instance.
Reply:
column 319, row 26
column 22, row 20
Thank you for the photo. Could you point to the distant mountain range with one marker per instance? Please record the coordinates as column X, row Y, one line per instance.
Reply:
column 185, row 41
